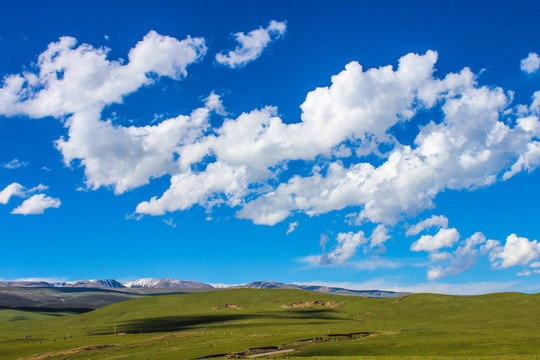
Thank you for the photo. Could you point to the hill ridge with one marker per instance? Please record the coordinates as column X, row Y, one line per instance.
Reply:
column 170, row 283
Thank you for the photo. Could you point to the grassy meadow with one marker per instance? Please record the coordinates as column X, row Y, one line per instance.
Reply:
column 244, row 322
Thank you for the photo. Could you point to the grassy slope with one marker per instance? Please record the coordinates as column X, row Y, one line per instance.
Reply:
column 195, row 325
column 7, row 315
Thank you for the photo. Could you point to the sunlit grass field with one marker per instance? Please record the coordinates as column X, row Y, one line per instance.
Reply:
column 245, row 322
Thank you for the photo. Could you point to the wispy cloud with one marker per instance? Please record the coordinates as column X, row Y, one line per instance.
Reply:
column 15, row 164
column 169, row 222
column 292, row 227
column 251, row 46
column 434, row 221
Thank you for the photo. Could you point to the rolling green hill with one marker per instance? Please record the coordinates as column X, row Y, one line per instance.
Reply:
column 244, row 322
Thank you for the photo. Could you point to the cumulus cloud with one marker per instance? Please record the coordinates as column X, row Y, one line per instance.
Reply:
column 77, row 79
column 80, row 81
column 188, row 189
column 460, row 260
column 434, row 221
column 471, row 147
column 531, row 63
column 251, row 46
column 15, row 164
column 128, row 157
column 346, row 246
column 443, row 238
column 36, row 204
column 14, row 189
column 516, row 251
column 344, row 126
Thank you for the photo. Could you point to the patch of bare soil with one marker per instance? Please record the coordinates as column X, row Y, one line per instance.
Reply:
column 307, row 304
column 401, row 299
column 227, row 306
column 69, row 352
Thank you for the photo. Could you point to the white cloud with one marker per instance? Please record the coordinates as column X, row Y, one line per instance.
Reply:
column 251, row 46
column 128, row 157
column 531, row 63
column 79, row 79
column 14, row 189
column 344, row 250
column 359, row 107
column 434, row 221
column 241, row 162
column 15, row 164
column 439, row 256
column 516, row 251
column 524, row 272
column 292, row 227
column 528, row 160
column 462, row 259
column 36, row 205
column 189, row 188
column 535, row 264
column 443, row 238
column 169, row 222
column 323, row 239
column 378, row 236
column 471, row 147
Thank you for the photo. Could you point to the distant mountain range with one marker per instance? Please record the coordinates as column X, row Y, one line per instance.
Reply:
column 323, row 289
column 168, row 283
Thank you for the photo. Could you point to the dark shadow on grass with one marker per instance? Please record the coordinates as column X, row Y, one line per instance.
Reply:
column 181, row 323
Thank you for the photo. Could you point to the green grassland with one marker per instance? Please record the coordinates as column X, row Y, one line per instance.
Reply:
column 30, row 314
column 244, row 322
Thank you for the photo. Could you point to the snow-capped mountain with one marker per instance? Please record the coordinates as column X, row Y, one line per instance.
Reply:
column 107, row 283
column 166, row 283
column 25, row 283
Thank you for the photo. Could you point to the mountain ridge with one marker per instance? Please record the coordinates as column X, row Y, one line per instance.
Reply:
column 170, row 283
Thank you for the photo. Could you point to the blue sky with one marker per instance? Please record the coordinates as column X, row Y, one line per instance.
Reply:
column 366, row 145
